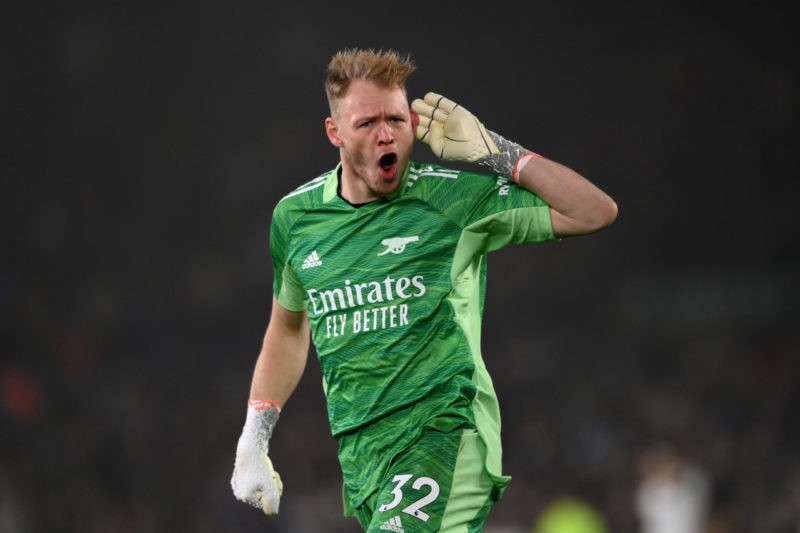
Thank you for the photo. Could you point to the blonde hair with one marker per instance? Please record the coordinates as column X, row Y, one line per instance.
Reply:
column 387, row 68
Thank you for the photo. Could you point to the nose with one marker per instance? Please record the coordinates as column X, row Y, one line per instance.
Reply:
column 385, row 135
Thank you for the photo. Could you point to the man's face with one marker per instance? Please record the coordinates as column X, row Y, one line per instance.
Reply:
column 374, row 130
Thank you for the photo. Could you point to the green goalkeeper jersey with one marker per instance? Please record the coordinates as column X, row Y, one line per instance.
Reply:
column 394, row 291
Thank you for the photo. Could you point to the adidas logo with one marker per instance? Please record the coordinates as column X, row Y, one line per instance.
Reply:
column 393, row 525
column 312, row 260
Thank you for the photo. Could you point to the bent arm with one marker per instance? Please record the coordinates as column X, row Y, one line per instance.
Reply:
column 283, row 355
column 577, row 206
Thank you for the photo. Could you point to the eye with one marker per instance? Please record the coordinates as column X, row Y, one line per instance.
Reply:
column 365, row 124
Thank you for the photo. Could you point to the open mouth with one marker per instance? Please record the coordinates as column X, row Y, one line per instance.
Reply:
column 388, row 160
column 388, row 164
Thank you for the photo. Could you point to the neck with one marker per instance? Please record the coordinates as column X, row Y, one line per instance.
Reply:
column 354, row 191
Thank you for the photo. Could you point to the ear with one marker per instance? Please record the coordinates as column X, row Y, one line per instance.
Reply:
column 414, row 121
column 333, row 132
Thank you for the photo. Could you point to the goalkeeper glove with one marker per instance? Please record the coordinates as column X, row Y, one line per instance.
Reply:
column 455, row 134
column 254, row 479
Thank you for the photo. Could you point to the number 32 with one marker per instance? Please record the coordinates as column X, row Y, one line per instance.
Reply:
column 415, row 509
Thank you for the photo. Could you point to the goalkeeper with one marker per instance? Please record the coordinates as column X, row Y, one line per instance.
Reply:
column 381, row 262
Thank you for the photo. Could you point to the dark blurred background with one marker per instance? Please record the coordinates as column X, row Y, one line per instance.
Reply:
column 145, row 145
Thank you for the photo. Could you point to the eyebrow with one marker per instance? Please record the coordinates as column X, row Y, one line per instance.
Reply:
column 357, row 119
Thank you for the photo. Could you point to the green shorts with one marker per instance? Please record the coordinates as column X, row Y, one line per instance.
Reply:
column 439, row 484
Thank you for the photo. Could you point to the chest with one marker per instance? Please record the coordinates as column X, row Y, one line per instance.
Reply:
column 373, row 254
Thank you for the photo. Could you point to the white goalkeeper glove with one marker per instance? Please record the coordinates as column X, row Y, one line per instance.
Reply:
column 455, row 134
column 254, row 479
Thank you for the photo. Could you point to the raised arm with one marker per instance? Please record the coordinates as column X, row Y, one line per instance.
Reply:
column 577, row 206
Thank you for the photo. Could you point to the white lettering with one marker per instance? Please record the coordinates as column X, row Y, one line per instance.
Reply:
column 417, row 282
column 350, row 302
column 329, row 299
column 313, row 300
column 400, row 288
column 335, row 324
column 359, row 297
column 366, row 320
column 352, row 294
column 388, row 284
column 375, row 295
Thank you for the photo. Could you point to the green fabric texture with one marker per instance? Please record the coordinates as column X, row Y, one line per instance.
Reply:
column 394, row 291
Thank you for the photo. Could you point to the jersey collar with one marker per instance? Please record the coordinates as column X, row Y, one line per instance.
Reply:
column 329, row 193
column 331, row 189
